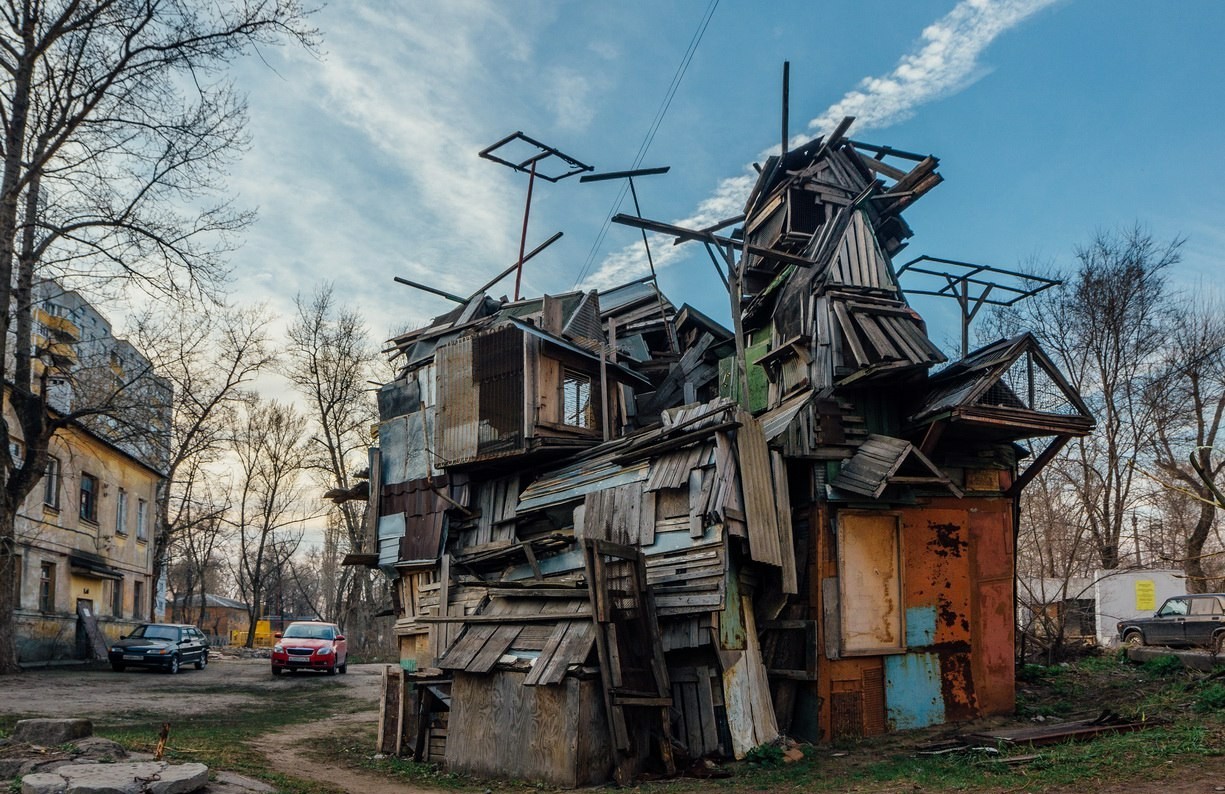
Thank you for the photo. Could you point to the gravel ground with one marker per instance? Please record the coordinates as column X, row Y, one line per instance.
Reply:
column 99, row 694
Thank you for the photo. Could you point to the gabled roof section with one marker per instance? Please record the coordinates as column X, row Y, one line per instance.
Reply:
column 1011, row 386
column 882, row 461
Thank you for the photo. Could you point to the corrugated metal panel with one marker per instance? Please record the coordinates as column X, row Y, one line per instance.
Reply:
column 391, row 529
column 458, row 402
column 576, row 481
column 776, row 421
column 497, row 374
column 672, row 469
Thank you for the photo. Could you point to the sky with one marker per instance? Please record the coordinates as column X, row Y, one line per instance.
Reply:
column 1052, row 119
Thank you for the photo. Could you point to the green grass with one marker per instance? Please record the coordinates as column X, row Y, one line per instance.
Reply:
column 222, row 739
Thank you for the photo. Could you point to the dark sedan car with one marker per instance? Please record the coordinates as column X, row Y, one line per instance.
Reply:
column 167, row 646
column 1183, row 621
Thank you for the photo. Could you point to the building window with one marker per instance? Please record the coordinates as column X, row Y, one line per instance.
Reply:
column 138, row 599
column 89, row 498
column 117, row 598
column 142, row 517
column 576, row 400
column 46, row 587
column 17, row 451
column 51, row 483
column 121, row 513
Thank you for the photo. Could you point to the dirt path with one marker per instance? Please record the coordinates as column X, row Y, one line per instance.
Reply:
column 284, row 752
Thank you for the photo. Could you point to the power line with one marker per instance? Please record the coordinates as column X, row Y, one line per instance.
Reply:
column 645, row 146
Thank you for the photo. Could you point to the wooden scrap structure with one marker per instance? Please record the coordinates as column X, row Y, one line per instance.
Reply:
column 623, row 537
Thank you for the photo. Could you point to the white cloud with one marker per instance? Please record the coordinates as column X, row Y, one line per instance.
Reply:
column 944, row 62
column 569, row 93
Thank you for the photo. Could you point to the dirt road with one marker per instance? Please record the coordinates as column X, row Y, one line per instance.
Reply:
column 225, row 684
column 105, row 696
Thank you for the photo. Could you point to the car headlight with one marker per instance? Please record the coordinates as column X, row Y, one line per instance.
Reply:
column 324, row 651
column 162, row 651
column 277, row 648
column 116, row 650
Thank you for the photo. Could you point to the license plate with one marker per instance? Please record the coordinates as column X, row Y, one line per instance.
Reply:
column 302, row 660
column 132, row 657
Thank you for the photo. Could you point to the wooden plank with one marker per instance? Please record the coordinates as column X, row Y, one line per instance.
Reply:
column 445, row 633
column 831, row 617
column 706, row 711
column 547, row 653
column 646, row 519
column 574, row 649
column 786, row 539
column 467, row 646
column 757, row 490
column 850, row 334
column 696, row 505
column 497, row 644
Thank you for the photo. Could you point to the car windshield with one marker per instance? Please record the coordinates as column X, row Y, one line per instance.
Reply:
column 309, row 632
column 157, row 632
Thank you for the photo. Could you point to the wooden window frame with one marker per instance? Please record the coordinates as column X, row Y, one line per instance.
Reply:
column 89, row 498
column 46, row 587
column 51, row 483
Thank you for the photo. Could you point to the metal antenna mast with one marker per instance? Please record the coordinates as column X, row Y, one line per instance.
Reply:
column 972, row 287
column 537, row 154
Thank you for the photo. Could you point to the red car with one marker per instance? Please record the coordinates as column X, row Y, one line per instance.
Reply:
column 310, row 645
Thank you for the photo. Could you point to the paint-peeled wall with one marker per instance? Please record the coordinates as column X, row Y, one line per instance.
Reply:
column 956, row 660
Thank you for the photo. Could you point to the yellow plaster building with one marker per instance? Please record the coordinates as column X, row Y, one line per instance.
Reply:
column 84, row 540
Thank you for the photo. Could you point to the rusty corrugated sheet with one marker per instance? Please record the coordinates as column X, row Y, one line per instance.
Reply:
column 458, row 402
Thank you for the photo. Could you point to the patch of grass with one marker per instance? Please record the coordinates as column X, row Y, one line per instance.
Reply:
column 1163, row 666
column 224, row 740
column 1210, row 698
column 356, row 751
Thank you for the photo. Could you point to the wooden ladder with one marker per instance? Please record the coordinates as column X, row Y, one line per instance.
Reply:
column 634, row 674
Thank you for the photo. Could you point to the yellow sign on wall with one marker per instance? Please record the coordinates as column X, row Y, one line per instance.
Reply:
column 1146, row 595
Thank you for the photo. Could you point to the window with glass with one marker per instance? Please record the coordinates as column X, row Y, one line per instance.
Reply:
column 117, row 598
column 89, row 497
column 46, row 587
column 121, row 513
column 576, row 400
column 51, row 483
column 142, row 517
column 138, row 599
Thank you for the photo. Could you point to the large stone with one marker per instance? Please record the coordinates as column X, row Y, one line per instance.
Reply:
column 146, row 777
column 47, row 732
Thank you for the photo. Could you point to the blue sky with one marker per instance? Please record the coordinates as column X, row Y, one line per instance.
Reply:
column 1052, row 120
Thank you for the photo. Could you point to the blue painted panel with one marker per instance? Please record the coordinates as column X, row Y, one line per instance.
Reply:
column 920, row 626
column 913, row 697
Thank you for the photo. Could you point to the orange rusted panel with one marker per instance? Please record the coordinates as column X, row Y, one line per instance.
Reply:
column 938, row 561
column 992, row 539
column 991, row 535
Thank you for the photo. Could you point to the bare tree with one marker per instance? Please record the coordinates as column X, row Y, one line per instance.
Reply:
column 271, row 453
column 209, row 358
column 116, row 128
column 1188, row 402
column 1105, row 328
column 327, row 360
